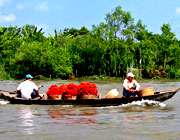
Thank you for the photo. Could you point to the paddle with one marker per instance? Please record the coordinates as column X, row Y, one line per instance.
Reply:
column 11, row 92
column 14, row 92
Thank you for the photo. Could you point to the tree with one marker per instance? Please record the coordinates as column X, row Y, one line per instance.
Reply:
column 120, row 23
column 40, row 59
column 167, row 38
column 75, row 32
column 31, row 33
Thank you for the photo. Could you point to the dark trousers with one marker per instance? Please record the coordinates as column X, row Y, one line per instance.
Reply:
column 34, row 94
column 127, row 93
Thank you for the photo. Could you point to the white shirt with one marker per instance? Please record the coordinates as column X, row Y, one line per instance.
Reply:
column 128, row 85
column 27, row 88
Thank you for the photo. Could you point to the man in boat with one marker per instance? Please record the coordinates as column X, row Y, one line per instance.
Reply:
column 130, row 86
column 27, row 89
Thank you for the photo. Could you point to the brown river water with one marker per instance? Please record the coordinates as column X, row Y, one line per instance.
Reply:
column 135, row 121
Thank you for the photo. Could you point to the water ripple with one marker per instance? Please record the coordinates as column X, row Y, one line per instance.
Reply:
column 4, row 102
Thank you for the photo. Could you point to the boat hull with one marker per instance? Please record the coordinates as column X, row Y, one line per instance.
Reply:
column 158, row 96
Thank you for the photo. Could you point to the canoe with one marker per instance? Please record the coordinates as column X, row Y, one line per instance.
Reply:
column 158, row 96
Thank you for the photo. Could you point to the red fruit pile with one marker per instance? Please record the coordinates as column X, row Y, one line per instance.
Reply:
column 84, row 88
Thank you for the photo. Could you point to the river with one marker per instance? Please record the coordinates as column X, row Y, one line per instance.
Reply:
column 135, row 121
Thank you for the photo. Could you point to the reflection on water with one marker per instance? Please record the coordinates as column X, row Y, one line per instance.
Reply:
column 140, row 111
column 27, row 120
column 139, row 117
column 72, row 116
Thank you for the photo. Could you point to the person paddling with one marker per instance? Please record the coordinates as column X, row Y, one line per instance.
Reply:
column 27, row 89
column 130, row 86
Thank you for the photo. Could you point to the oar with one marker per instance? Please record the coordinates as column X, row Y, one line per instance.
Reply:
column 11, row 92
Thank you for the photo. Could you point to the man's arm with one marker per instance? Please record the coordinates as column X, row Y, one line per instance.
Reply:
column 125, row 84
column 18, row 93
column 137, row 85
column 38, row 93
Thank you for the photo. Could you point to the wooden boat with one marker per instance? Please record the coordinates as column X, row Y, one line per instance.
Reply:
column 158, row 96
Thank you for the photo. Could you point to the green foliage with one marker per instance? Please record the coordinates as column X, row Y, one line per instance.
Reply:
column 106, row 51
column 173, row 73
column 75, row 32
column 4, row 74
column 31, row 33
column 39, row 59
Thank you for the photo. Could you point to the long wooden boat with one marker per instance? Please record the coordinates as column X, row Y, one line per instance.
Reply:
column 158, row 96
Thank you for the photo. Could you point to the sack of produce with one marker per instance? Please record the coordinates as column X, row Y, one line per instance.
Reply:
column 113, row 93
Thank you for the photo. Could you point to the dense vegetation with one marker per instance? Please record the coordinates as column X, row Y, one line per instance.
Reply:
column 108, row 49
